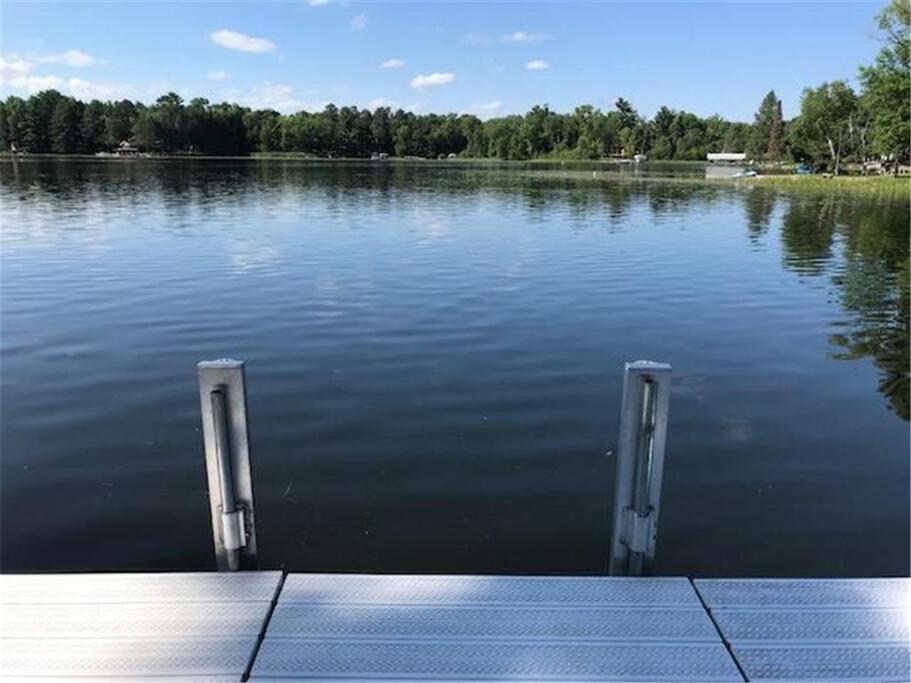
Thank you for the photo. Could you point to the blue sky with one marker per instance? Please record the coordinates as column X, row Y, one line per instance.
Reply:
column 483, row 57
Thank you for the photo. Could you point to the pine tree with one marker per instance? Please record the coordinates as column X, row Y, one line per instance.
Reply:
column 65, row 122
column 92, row 127
column 775, row 150
column 762, row 125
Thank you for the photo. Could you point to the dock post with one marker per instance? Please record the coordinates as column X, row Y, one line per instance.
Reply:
column 223, row 402
column 640, row 464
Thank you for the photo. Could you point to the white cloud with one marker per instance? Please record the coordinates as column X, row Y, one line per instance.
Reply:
column 430, row 80
column 378, row 102
column 523, row 37
column 233, row 40
column 274, row 96
column 70, row 58
column 393, row 64
column 13, row 66
column 537, row 65
column 76, row 87
column 359, row 23
column 16, row 72
column 90, row 90
column 280, row 97
column 317, row 3
column 33, row 84
column 484, row 110
column 217, row 75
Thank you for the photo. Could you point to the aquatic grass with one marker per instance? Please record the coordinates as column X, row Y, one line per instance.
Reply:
column 873, row 187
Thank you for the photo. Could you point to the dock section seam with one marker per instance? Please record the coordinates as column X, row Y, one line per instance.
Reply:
column 265, row 626
column 724, row 640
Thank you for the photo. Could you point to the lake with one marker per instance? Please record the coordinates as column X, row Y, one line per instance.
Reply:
column 434, row 364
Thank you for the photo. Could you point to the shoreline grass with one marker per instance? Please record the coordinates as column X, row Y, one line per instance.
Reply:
column 871, row 186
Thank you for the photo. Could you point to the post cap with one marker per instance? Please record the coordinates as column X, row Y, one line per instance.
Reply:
column 649, row 365
column 220, row 364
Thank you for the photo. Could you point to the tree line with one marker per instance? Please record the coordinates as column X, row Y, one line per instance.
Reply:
column 50, row 122
column 835, row 125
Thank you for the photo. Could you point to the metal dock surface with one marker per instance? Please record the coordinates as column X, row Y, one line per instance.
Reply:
column 199, row 626
column 491, row 628
column 336, row 627
column 821, row 629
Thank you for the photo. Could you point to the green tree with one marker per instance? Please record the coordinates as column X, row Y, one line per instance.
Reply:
column 15, row 115
column 35, row 131
column 64, row 126
column 118, row 124
column 362, row 138
column 503, row 136
column 199, row 132
column 715, row 133
column 589, row 144
column 5, row 132
column 170, row 119
column 475, row 139
column 775, row 149
column 737, row 137
column 270, row 132
column 92, row 131
column 381, row 131
column 630, row 136
column 663, row 133
column 146, row 130
column 534, row 131
column 767, row 134
column 886, row 85
column 825, row 125
column 402, row 138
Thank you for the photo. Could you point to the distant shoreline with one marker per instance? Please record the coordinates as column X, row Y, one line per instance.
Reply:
column 871, row 185
column 781, row 168
column 295, row 156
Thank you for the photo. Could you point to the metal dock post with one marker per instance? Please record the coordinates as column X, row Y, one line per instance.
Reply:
column 223, row 401
column 640, row 465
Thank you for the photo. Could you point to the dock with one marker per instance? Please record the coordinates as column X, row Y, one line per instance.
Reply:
column 242, row 624
column 271, row 625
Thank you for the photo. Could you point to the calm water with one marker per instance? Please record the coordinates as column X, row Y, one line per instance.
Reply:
column 434, row 365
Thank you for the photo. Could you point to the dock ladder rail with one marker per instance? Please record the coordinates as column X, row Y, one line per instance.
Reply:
column 637, row 493
column 640, row 466
column 223, row 402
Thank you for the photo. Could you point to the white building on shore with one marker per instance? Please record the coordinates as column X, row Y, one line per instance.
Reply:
column 726, row 157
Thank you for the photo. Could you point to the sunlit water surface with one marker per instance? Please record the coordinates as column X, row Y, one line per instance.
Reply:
column 434, row 365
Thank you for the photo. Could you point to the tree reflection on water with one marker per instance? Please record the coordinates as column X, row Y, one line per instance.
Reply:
column 868, row 244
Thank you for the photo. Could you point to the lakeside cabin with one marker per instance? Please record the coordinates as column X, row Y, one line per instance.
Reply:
column 726, row 157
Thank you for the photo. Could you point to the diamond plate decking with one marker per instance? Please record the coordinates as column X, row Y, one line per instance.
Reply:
column 93, row 626
column 343, row 627
column 823, row 630
column 444, row 628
